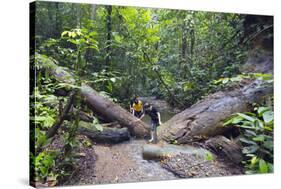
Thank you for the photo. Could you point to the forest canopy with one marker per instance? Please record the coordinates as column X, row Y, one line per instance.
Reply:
column 171, row 54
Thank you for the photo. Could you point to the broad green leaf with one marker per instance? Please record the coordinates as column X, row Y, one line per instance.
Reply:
column 263, row 168
column 268, row 145
column 250, row 149
column 249, row 118
column 254, row 160
column 270, row 167
column 236, row 120
column 267, row 117
column 261, row 110
column 247, row 141
column 64, row 33
column 41, row 140
column 259, row 138
column 250, row 133
column 73, row 41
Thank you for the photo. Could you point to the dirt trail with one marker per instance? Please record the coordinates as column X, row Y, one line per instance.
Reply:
column 118, row 163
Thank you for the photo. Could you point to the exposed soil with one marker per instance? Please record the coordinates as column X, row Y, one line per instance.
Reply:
column 123, row 162
column 118, row 163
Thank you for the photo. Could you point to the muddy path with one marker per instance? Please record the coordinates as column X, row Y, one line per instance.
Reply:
column 123, row 162
column 118, row 163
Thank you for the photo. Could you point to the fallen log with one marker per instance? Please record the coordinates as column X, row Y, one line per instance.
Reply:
column 104, row 135
column 158, row 152
column 205, row 118
column 100, row 105
column 114, row 112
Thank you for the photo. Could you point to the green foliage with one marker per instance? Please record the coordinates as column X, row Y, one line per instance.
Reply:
column 257, row 138
column 104, row 80
column 83, row 39
column 44, row 163
column 240, row 77
column 211, row 48
column 48, row 165
column 44, row 111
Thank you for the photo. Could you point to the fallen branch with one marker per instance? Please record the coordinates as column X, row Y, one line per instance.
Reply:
column 53, row 130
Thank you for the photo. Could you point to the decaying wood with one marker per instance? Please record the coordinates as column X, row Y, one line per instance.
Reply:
column 157, row 152
column 222, row 146
column 105, row 135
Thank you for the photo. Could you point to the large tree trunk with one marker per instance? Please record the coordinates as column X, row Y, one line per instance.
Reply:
column 99, row 104
column 205, row 119
column 113, row 112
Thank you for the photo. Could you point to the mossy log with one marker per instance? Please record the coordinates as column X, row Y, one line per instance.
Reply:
column 158, row 152
column 104, row 134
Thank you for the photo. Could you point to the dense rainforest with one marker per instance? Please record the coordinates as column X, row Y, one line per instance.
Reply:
column 213, row 70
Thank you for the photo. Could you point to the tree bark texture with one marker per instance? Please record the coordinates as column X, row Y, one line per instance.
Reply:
column 205, row 118
column 113, row 112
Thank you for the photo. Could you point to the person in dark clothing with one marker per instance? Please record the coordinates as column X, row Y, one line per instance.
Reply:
column 154, row 114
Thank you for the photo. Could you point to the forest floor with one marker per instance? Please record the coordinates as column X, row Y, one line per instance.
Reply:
column 123, row 162
column 120, row 163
